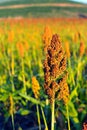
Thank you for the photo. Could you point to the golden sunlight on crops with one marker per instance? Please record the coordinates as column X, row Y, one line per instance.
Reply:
column 43, row 74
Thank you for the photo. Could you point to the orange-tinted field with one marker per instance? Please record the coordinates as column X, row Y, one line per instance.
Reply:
column 23, row 48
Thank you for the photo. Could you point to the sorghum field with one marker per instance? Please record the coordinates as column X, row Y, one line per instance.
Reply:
column 43, row 74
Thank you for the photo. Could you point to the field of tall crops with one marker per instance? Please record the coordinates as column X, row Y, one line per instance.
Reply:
column 43, row 74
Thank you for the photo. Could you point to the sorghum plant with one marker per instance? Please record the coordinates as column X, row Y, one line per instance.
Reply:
column 55, row 74
column 36, row 89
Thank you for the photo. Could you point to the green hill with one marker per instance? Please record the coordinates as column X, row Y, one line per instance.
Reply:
column 38, row 10
column 13, row 2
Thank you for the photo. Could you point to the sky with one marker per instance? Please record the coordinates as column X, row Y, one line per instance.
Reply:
column 5, row 0
column 83, row 1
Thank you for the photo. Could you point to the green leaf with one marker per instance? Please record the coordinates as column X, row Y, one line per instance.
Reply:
column 3, row 98
column 33, row 100
column 19, row 128
column 73, row 93
column 24, row 111
column 73, row 112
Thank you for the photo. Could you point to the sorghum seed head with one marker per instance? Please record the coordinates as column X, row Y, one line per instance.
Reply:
column 35, row 87
column 54, row 67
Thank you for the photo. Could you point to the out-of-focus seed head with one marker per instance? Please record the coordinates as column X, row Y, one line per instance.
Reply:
column 35, row 87
column 20, row 48
column 84, row 126
column 10, row 36
column 47, row 36
column 82, row 48
column 67, row 49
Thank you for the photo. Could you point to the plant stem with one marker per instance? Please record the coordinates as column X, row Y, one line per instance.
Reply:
column 45, row 122
column 12, row 81
column 53, row 117
column 71, row 71
column 68, row 117
column 23, row 77
column 12, row 64
column 38, row 116
column 12, row 110
column 79, row 70
column 12, row 116
column 13, row 88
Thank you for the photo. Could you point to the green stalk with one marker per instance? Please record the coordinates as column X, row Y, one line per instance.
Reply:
column 68, row 117
column 12, row 64
column 25, row 91
column 45, row 122
column 12, row 82
column 78, row 70
column 38, row 116
column 28, row 59
column 72, row 75
column 13, row 71
column 30, row 68
column 13, row 88
column 53, row 117
column 12, row 111
column 12, row 117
